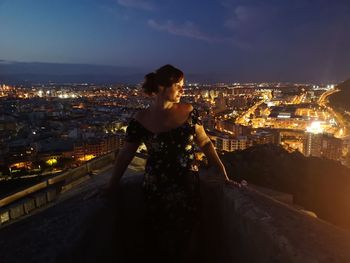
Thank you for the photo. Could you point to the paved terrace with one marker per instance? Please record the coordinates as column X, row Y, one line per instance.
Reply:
column 237, row 225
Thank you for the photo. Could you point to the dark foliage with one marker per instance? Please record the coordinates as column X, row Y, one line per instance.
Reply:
column 341, row 100
column 317, row 184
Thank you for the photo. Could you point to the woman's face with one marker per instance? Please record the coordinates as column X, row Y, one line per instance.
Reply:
column 174, row 92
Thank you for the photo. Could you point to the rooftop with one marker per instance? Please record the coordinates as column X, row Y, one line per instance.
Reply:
column 237, row 225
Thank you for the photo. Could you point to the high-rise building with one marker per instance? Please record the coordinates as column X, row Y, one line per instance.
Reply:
column 220, row 102
column 208, row 122
column 313, row 144
column 231, row 127
column 323, row 145
column 98, row 147
column 331, row 147
column 230, row 143
column 265, row 137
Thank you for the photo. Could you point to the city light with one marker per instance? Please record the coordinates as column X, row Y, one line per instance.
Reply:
column 86, row 157
column 315, row 127
column 51, row 161
column 249, row 105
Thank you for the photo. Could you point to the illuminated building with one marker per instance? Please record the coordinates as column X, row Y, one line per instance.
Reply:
column 238, row 102
column 97, row 147
column 331, row 147
column 264, row 137
column 208, row 122
column 313, row 144
column 229, row 143
column 292, row 140
column 323, row 145
column 243, row 91
column 220, row 102
column 230, row 127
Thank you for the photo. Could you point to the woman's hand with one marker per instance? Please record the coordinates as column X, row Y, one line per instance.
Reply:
column 230, row 182
column 233, row 183
column 216, row 175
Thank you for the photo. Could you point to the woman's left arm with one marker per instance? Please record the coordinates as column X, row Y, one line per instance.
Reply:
column 204, row 142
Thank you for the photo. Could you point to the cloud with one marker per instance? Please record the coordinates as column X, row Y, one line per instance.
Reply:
column 253, row 16
column 190, row 30
column 247, row 18
column 139, row 4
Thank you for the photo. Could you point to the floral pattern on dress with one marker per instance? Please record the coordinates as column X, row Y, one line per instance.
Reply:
column 171, row 185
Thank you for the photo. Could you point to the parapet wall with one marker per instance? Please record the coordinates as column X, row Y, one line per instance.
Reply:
column 237, row 225
column 243, row 225
column 16, row 205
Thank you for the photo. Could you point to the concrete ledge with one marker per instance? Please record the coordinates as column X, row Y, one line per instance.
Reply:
column 249, row 226
column 10, row 199
column 237, row 225
column 53, row 185
column 74, row 183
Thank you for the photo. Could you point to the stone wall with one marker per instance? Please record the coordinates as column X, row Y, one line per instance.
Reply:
column 13, row 206
column 243, row 225
column 237, row 225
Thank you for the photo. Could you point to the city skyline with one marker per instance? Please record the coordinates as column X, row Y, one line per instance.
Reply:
column 222, row 40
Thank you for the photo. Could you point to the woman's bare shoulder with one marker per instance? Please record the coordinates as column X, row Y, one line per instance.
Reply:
column 140, row 115
column 187, row 107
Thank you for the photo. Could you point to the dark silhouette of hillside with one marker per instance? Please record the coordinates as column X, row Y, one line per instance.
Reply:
column 319, row 185
column 341, row 99
column 29, row 72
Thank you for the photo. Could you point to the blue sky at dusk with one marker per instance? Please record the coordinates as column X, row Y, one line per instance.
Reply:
column 243, row 40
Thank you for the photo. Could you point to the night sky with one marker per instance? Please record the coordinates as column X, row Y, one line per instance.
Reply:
column 257, row 40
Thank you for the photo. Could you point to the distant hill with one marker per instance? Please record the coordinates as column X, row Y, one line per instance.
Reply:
column 38, row 72
column 319, row 185
column 24, row 72
column 341, row 100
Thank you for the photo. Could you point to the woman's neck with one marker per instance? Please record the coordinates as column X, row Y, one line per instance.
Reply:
column 161, row 105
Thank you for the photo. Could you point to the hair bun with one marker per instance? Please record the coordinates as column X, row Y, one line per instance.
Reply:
column 150, row 85
column 165, row 76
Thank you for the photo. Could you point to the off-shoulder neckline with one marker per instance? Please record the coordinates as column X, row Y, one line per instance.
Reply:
column 170, row 130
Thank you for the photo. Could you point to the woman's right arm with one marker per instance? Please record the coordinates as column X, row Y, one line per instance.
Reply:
column 133, row 139
column 124, row 157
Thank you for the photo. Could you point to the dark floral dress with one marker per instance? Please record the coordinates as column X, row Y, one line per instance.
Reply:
column 171, row 186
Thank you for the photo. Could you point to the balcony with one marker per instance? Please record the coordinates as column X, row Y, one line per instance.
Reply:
column 237, row 225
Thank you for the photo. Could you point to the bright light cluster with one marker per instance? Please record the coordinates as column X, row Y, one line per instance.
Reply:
column 315, row 127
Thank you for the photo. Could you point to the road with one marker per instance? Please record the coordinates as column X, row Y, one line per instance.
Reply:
column 323, row 98
column 298, row 99
column 323, row 101
column 242, row 119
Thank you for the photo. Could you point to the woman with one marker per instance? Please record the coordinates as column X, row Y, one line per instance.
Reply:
column 169, row 130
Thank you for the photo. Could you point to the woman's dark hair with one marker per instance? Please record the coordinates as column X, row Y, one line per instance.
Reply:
column 165, row 76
